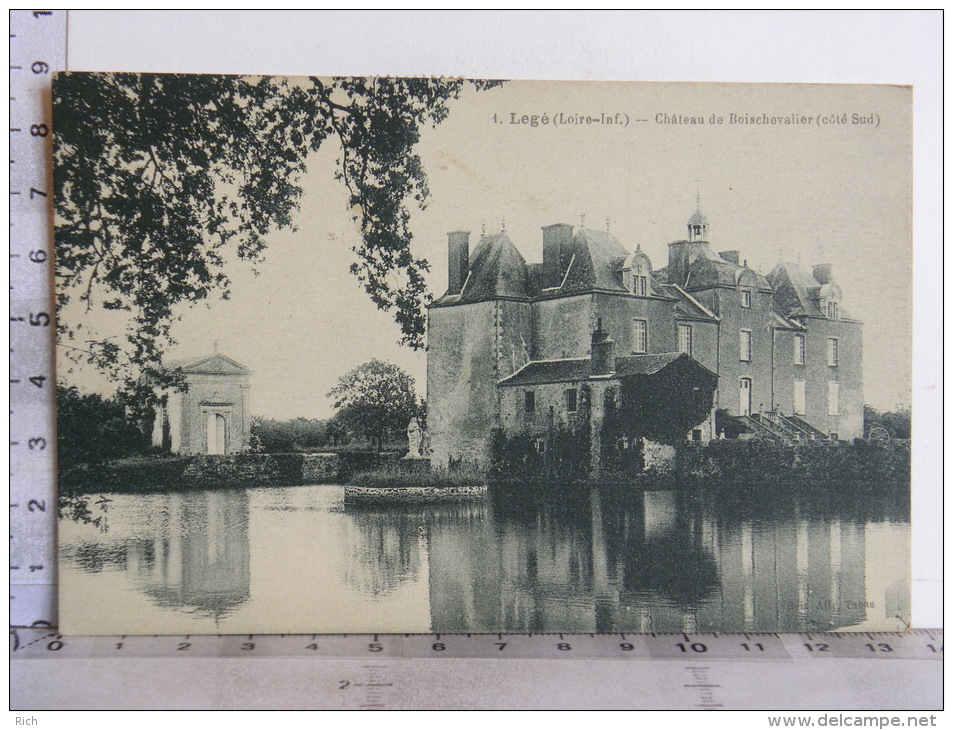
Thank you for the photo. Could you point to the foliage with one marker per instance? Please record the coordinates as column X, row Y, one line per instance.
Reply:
column 76, row 507
column 160, row 178
column 770, row 465
column 622, row 452
column 92, row 429
column 376, row 399
column 299, row 434
column 896, row 422
column 667, row 406
column 565, row 456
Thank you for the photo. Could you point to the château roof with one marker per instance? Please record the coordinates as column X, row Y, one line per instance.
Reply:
column 541, row 372
column 497, row 269
column 797, row 292
column 596, row 262
column 687, row 307
column 706, row 269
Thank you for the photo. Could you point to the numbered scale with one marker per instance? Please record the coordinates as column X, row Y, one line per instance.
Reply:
column 37, row 49
column 867, row 671
column 917, row 644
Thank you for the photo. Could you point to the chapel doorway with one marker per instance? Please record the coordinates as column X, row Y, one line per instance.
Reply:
column 216, row 433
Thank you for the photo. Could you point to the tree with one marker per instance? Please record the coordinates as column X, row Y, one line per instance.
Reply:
column 376, row 399
column 92, row 429
column 298, row 434
column 896, row 422
column 159, row 178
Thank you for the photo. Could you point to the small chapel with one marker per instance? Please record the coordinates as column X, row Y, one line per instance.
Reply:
column 212, row 415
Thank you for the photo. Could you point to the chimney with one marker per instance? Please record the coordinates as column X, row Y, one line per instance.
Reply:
column 603, row 351
column 458, row 252
column 678, row 262
column 822, row 272
column 731, row 256
column 557, row 253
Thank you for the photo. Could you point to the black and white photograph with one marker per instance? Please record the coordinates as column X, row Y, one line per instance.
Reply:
column 386, row 354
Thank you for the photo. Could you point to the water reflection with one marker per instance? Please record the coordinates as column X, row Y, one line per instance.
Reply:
column 548, row 560
column 191, row 553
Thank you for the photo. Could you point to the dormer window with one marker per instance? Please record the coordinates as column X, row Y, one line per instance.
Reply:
column 746, row 298
column 636, row 272
column 832, row 310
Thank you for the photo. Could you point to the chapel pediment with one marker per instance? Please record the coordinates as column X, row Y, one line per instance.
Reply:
column 216, row 364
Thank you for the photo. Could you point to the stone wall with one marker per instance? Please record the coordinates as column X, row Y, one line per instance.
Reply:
column 377, row 495
column 204, row 472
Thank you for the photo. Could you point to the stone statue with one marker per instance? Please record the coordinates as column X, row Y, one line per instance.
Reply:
column 415, row 436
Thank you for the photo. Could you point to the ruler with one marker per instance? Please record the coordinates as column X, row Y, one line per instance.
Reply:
column 864, row 671
column 917, row 644
column 37, row 49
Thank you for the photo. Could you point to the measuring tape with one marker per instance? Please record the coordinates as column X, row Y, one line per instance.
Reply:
column 916, row 644
column 37, row 49
column 411, row 671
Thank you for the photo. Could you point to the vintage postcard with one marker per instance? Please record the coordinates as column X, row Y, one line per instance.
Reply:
column 413, row 355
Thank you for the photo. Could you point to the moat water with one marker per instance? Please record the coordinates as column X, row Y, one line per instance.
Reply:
column 299, row 559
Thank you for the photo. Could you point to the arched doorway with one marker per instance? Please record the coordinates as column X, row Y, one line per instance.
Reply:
column 216, row 433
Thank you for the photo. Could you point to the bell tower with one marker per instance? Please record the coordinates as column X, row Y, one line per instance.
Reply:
column 698, row 223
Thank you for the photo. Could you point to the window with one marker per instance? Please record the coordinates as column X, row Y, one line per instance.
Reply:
column 745, row 297
column 833, row 398
column 571, row 398
column 832, row 312
column 834, row 436
column 640, row 286
column 640, row 335
column 800, row 397
column 685, row 338
column 799, row 347
column 696, row 434
column 744, row 353
column 832, row 351
column 529, row 401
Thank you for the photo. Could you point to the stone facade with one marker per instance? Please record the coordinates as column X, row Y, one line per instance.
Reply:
column 787, row 356
column 212, row 416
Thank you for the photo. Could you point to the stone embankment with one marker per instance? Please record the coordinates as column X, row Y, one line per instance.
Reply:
column 411, row 495
column 149, row 474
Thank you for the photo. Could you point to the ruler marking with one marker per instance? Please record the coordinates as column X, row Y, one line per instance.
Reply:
column 907, row 646
column 39, row 34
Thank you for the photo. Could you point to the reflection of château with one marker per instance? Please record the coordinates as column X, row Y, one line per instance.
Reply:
column 653, row 561
column 382, row 550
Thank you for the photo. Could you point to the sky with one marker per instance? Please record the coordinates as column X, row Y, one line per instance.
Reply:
column 836, row 193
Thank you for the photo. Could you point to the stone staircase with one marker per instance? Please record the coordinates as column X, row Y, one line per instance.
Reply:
column 775, row 426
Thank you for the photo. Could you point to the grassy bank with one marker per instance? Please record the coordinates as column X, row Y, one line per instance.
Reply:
column 403, row 476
